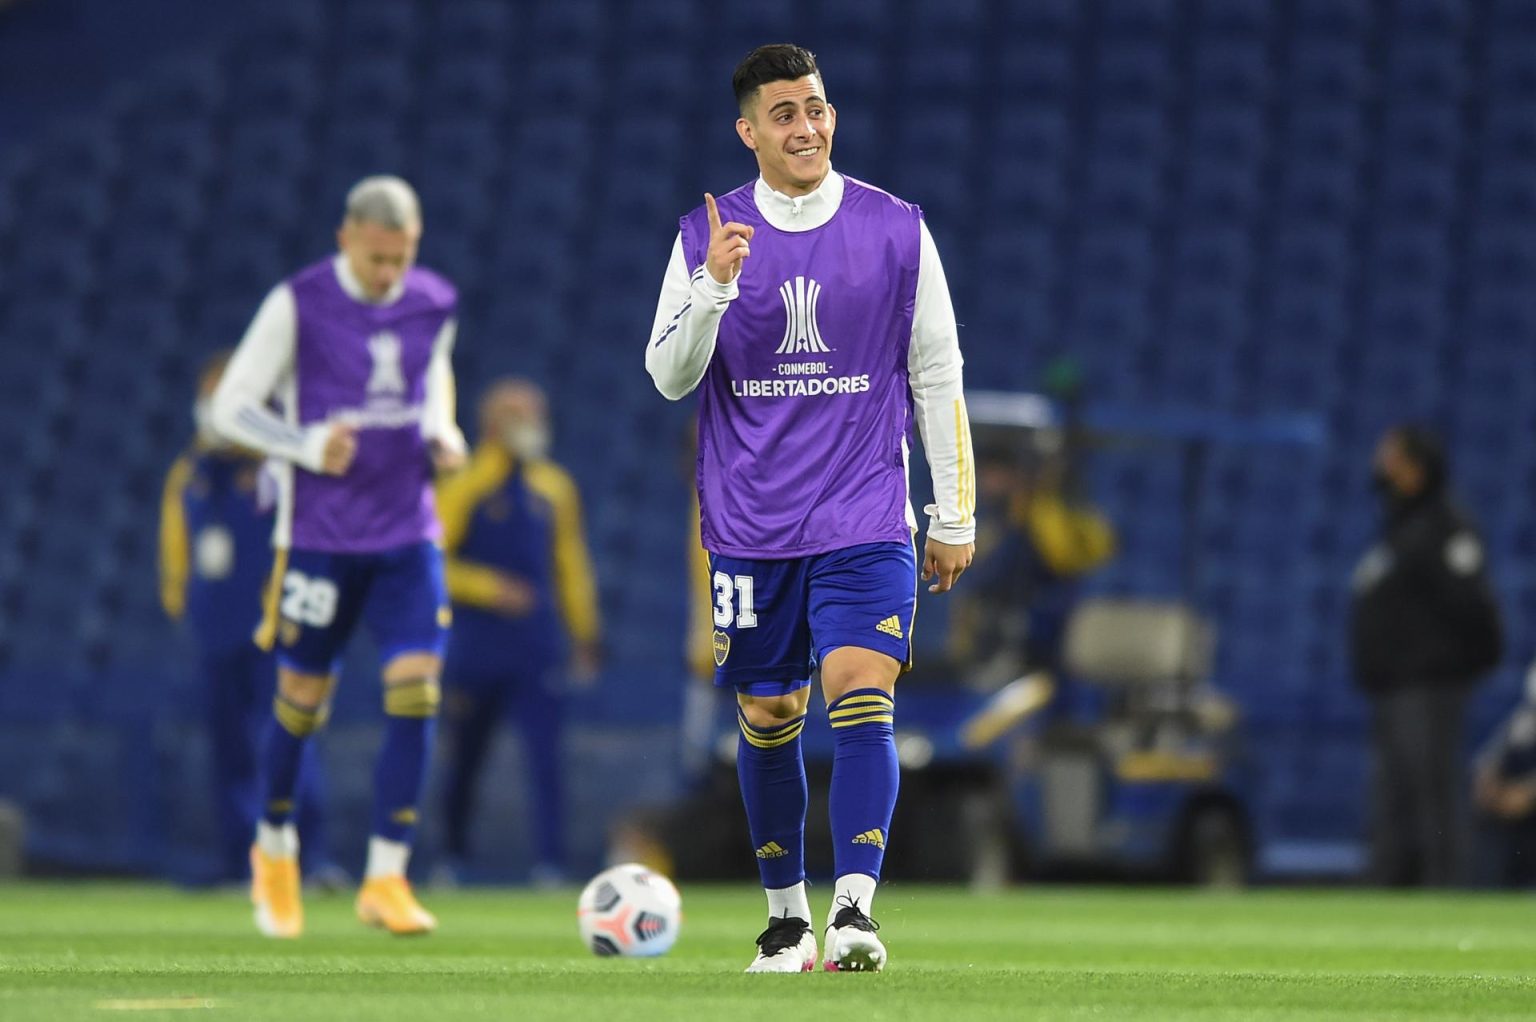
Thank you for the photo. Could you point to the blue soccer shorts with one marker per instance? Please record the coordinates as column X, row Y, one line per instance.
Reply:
column 776, row 620
column 318, row 598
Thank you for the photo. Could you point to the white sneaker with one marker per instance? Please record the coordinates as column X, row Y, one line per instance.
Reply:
column 788, row 945
column 851, row 942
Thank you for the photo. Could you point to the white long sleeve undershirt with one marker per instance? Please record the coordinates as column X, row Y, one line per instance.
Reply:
column 687, row 324
column 262, row 367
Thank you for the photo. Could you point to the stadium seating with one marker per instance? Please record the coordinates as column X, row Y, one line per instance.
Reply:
column 1320, row 206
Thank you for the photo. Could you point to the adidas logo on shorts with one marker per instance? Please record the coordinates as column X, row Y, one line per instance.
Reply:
column 871, row 837
column 891, row 626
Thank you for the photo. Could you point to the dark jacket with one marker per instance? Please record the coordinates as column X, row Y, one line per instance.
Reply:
column 1424, row 613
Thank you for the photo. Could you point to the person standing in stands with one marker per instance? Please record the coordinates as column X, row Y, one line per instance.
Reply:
column 525, row 616
column 215, row 554
column 1425, row 628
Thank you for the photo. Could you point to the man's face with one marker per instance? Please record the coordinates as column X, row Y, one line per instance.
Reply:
column 517, row 419
column 378, row 256
column 1393, row 465
column 789, row 125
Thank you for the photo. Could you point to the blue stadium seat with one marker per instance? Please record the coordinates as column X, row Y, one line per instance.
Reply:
column 1213, row 258
column 184, row 92
column 1422, row 193
column 1229, row 133
column 1416, row 256
column 1422, row 133
column 1234, row 18
column 1327, row 70
column 274, row 87
column 377, row 28
column 86, row 154
column 165, row 206
column 1140, row 19
column 297, row 26
column 1332, row 18
column 1036, row 71
column 1218, row 195
column 473, row 28
column 1511, row 68
column 1431, row 18
column 381, row 86
column 569, row 26
column 1507, row 194
column 556, row 81
column 1321, row 193
column 275, row 148
column 1430, row 69
column 1324, row 134
column 1132, row 72
column 66, row 208
column 466, row 148
column 1232, row 72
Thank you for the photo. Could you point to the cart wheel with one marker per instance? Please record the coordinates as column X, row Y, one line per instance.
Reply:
column 1214, row 849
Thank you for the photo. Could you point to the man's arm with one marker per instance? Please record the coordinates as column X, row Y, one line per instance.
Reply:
column 261, row 362
column 688, row 320
column 938, row 399
column 439, row 420
column 175, row 545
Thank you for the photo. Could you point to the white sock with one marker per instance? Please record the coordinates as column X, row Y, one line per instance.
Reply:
column 852, row 887
column 386, row 858
column 277, row 842
column 788, row 901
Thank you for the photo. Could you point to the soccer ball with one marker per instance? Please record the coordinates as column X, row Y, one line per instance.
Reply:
column 629, row 910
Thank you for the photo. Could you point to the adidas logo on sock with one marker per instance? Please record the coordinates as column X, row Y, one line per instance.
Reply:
column 891, row 626
column 871, row 837
column 774, row 850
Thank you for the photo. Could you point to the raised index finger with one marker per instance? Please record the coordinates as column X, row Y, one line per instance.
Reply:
column 714, row 212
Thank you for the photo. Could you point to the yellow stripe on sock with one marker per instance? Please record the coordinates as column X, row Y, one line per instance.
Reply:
column 778, row 738
column 298, row 721
column 884, row 718
column 876, row 697
column 418, row 698
column 852, row 711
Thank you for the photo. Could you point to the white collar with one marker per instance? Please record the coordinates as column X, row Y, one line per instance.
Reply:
column 354, row 287
column 802, row 212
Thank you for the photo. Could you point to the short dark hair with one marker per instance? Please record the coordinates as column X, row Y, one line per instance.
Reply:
column 775, row 62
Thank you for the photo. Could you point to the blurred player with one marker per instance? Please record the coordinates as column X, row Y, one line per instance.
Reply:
column 356, row 351
column 525, row 602
column 812, row 311
column 215, row 556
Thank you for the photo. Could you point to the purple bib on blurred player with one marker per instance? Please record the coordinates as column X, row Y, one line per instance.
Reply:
column 367, row 365
column 805, row 404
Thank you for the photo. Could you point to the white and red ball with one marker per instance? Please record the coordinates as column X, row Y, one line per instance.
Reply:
column 629, row 910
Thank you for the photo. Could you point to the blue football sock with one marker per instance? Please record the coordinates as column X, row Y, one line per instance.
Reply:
column 865, row 776
column 772, row 777
column 282, row 754
column 410, row 709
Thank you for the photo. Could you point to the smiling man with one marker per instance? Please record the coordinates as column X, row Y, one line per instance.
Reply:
column 811, row 312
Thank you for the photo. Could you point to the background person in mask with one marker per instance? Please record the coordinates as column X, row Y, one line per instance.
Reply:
column 215, row 556
column 525, row 615
column 1425, row 628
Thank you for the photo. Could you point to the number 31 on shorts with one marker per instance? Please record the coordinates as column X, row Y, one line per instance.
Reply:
column 733, row 601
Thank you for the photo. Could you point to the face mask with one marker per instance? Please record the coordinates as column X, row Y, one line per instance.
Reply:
column 202, row 417
column 528, row 440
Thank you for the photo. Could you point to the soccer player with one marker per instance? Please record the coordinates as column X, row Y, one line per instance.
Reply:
column 525, row 603
column 356, row 350
column 811, row 311
column 215, row 555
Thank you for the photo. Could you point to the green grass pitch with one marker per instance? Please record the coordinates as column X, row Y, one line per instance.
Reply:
column 95, row 951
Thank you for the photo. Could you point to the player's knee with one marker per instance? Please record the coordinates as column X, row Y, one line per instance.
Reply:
column 774, row 711
column 412, row 697
column 303, row 702
column 849, row 669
